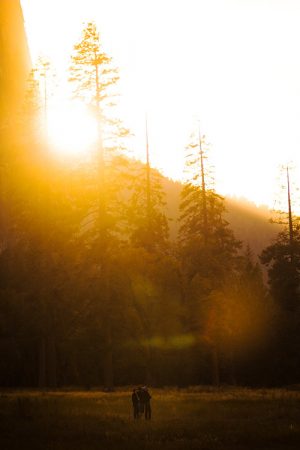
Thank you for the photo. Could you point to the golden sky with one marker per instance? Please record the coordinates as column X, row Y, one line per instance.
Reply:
column 233, row 64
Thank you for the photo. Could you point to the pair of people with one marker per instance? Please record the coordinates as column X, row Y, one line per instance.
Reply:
column 141, row 403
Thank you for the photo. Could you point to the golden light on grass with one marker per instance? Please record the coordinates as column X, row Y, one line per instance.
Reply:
column 72, row 130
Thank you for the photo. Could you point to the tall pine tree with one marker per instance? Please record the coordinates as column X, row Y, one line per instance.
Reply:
column 207, row 244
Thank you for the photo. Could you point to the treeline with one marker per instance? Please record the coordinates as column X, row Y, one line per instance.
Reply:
column 93, row 290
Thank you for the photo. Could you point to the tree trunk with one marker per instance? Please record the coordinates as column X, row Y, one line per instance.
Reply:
column 74, row 368
column 149, row 364
column 108, row 359
column 232, row 373
column 42, row 364
column 51, row 362
column 215, row 365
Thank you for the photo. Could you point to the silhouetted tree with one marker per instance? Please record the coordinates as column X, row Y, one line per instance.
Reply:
column 207, row 244
column 282, row 259
column 93, row 79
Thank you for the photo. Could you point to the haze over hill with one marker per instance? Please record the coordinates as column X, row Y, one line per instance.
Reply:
column 250, row 223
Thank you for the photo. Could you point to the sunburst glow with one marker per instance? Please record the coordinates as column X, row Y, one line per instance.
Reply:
column 220, row 72
column 72, row 130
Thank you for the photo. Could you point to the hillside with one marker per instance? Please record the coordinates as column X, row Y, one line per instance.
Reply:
column 249, row 222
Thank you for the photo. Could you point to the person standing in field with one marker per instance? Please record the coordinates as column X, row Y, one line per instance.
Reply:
column 145, row 398
column 135, row 404
column 139, row 392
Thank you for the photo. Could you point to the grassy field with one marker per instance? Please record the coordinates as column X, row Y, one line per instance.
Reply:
column 203, row 418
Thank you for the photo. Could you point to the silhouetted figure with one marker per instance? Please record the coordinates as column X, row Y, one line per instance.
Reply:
column 141, row 403
column 145, row 398
column 135, row 404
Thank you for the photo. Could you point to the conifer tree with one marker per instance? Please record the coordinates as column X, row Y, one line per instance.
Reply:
column 207, row 244
column 147, row 223
column 282, row 257
column 148, row 250
column 94, row 80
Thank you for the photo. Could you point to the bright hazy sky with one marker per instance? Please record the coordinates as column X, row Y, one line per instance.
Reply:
column 233, row 64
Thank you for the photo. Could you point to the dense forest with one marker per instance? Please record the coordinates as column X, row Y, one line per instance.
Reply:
column 112, row 274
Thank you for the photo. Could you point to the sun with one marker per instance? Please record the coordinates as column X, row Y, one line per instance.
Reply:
column 71, row 129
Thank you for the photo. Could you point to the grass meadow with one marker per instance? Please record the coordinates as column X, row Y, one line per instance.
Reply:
column 198, row 418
